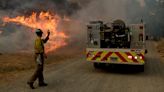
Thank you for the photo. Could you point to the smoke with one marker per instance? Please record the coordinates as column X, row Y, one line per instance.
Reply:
column 142, row 3
column 131, row 11
column 18, row 41
column 80, row 12
column 103, row 10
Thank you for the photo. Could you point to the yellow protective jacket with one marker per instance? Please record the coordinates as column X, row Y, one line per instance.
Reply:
column 39, row 45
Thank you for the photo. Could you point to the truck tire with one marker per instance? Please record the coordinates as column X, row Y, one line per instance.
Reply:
column 97, row 65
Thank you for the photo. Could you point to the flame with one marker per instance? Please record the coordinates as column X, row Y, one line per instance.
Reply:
column 44, row 21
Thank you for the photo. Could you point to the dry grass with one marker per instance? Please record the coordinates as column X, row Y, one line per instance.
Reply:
column 15, row 62
column 11, row 65
column 160, row 47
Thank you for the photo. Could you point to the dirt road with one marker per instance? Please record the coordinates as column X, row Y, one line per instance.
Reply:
column 80, row 76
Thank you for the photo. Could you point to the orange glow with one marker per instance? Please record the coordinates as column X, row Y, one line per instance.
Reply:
column 44, row 21
column 1, row 32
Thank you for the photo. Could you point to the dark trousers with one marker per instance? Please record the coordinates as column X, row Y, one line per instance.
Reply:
column 38, row 74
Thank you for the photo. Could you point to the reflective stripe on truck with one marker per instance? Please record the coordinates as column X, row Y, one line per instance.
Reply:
column 130, row 57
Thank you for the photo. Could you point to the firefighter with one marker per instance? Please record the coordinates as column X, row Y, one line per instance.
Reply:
column 39, row 58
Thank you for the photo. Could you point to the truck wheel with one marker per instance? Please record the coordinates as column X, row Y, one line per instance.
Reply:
column 97, row 65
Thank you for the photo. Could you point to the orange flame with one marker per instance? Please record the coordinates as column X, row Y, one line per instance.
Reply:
column 44, row 21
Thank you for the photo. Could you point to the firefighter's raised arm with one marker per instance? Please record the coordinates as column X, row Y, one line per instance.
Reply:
column 47, row 38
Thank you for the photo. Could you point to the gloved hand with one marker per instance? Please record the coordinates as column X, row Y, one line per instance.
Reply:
column 48, row 32
column 39, row 60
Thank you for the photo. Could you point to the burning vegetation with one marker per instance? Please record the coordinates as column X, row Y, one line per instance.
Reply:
column 44, row 21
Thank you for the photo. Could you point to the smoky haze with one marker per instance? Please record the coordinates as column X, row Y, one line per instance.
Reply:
column 18, row 38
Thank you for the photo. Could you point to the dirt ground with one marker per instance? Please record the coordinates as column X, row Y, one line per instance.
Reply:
column 160, row 48
column 77, row 75
column 13, row 65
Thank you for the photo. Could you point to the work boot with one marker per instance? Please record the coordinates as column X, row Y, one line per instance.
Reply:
column 43, row 84
column 31, row 85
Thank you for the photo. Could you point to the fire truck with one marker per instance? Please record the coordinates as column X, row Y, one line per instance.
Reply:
column 116, row 43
